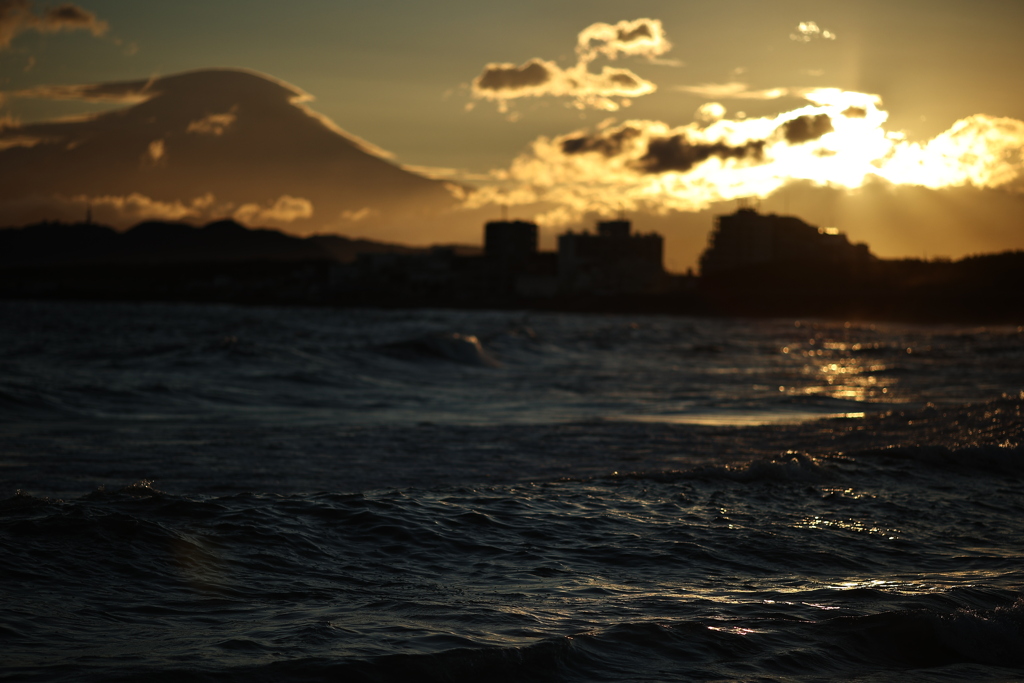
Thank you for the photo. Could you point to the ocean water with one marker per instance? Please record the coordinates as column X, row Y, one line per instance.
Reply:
column 220, row 493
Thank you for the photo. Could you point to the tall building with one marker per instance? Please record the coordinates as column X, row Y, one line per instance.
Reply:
column 747, row 239
column 613, row 261
column 512, row 264
column 510, row 243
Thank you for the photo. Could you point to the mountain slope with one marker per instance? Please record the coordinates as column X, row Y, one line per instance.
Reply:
column 204, row 145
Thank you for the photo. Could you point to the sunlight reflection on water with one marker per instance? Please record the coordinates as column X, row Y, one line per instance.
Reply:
column 736, row 419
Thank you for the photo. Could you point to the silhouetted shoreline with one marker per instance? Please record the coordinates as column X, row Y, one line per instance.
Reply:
column 227, row 263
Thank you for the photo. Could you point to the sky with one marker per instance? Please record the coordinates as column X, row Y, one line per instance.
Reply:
column 899, row 122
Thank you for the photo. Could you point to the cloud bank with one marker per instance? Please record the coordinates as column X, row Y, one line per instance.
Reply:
column 734, row 90
column 608, row 89
column 126, row 210
column 118, row 210
column 127, row 92
column 286, row 209
column 639, row 38
column 838, row 140
column 213, row 124
column 980, row 150
column 16, row 17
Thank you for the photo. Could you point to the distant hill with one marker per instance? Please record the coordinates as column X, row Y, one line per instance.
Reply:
column 60, row 244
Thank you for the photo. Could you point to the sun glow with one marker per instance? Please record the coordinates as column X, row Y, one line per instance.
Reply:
column 838, row 140
column 983, row 151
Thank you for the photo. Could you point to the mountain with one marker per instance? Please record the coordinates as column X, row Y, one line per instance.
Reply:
column 204, row 145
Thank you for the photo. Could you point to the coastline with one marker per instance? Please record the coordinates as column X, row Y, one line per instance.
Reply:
column 310, row 284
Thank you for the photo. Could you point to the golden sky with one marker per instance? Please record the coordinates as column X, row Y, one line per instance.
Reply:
column 901, row 123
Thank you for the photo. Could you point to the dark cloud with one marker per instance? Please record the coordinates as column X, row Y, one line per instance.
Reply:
column 498, row 77
column 677, row 153
column 624, row 79
column 642, row 37
column 855, row 112
column 608, row 145
column 807, row 127
column 641, row 31
column 663, row 153
column 540, row 78
column 608, row 89
column 70, row 16
column 16, row 16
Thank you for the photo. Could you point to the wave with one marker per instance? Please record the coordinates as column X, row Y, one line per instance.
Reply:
column 1000, row 459
column 446, row 346
column 1005, row 459
column 789, row 467
column 28, row 402
column 927, row 645
column 700, row 574
column 924, row 638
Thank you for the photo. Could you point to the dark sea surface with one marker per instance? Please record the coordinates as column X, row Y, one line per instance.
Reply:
column 218, row 493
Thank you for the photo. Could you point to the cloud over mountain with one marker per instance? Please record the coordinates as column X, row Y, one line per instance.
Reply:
column 16, row 16
column 127, row 92
column 204, row 145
